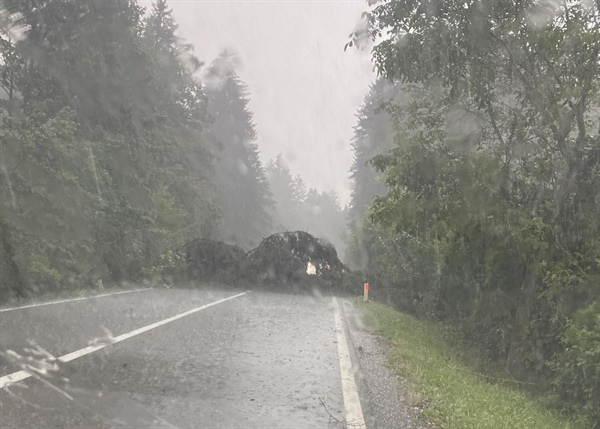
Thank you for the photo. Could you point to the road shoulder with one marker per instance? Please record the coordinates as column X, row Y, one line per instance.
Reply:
column 384, row 395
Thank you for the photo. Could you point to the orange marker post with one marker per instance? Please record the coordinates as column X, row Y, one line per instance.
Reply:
column 366, row 297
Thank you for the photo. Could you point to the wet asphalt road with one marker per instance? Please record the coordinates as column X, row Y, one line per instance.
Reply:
column 256, row 361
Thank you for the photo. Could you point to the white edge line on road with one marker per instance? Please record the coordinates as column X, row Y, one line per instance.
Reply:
column 22, row 375
column 354, row 414
column 2, row 310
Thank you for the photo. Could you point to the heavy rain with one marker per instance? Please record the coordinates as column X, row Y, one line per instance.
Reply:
column 300, row 214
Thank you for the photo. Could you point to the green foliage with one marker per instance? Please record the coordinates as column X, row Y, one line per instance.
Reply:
column 167, row 271
column 11, row 70
column 577, row 367
column 120, row 234
column 106, row 152
column 373, row 135
column 44, row 165
column 491, row 212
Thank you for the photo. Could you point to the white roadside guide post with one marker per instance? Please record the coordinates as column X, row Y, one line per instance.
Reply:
column 366, row 297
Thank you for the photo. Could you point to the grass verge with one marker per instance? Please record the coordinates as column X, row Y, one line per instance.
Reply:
column 457, row 397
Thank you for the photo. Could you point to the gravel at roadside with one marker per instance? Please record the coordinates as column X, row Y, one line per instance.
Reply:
column 384, row 395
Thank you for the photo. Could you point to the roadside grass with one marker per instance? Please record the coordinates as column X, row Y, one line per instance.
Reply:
column 451, row 392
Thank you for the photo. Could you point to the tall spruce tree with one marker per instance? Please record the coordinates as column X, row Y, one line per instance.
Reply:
column 244, row 194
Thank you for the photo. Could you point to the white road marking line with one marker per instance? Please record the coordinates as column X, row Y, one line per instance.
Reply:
column 354, row 414
column 22, row 375
column 2, row 310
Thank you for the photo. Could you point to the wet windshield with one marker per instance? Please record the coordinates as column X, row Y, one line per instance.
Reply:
column 379, row 214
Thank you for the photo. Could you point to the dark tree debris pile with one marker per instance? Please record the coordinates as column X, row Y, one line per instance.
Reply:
column 213, row 261
column 285, row 259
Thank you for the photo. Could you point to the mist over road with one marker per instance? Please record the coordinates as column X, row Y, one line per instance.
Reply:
column 179, row 358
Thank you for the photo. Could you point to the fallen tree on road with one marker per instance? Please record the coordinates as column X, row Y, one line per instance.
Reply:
column 288, row 260
column 213, row 261
column 288, row 256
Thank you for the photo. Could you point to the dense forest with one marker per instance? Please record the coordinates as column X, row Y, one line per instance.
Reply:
column 118, row 146
column 476, row 195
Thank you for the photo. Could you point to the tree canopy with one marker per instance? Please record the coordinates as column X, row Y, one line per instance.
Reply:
column 491, row 212
column 112, row 151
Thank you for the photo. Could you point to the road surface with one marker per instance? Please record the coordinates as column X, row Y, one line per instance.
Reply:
column 175, row 358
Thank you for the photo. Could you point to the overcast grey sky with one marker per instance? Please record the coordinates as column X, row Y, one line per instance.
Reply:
column 304, row 89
